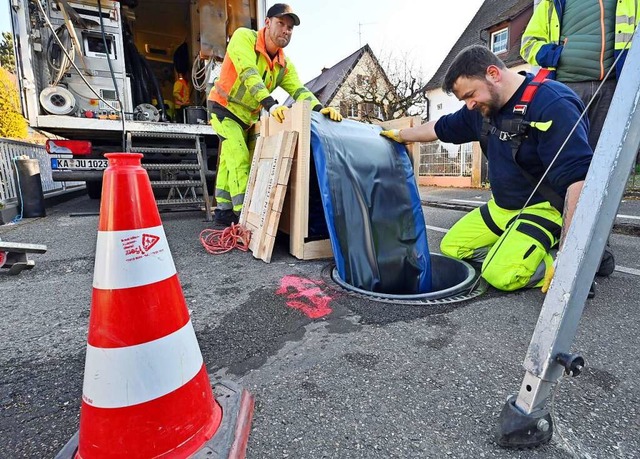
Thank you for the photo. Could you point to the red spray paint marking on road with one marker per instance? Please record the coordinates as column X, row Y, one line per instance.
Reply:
column 306, row 295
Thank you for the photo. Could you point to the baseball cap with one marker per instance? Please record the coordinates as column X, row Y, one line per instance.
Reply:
column 282, row 9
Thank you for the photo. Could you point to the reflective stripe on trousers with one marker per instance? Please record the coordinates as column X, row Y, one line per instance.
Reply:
column 510, row 260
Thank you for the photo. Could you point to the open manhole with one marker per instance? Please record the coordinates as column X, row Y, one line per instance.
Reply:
column 452, row 281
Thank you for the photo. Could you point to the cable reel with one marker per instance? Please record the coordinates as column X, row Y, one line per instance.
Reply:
column 146, row 112
column 57, row 100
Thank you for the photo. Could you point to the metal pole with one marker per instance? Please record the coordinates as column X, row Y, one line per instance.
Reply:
column 524, row 420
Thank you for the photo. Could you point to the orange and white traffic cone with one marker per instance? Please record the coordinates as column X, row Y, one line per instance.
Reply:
column 146, row 391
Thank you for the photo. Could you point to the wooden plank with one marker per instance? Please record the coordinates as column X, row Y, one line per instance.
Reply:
column 20, row 247
column 258, row 204
column 264, row 199
column 252, row 178
column 295, row 218
column 476, row 165
column 412, row 148
column 318, row 249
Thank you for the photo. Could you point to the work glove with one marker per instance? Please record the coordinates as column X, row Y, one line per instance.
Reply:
column 332, row 113
column 393, row 134
column 278, row 112
column 548, row 277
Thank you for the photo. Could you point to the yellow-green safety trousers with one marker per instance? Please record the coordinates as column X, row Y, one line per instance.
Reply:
column 510, row 259
column 234, row 164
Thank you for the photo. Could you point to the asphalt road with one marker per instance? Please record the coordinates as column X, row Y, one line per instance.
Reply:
column 360, row 380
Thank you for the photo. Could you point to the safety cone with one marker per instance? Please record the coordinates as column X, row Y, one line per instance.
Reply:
column 146, row 391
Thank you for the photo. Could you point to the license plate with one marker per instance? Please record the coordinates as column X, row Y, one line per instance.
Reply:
column 79, row 164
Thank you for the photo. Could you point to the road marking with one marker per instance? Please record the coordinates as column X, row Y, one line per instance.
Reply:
column 437, row 228
column 632, row 217
column 471, row 202
column 307, row 295
column 632, row 271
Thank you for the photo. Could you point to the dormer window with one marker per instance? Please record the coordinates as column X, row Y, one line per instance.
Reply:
column 499, row 40
column 362, row 80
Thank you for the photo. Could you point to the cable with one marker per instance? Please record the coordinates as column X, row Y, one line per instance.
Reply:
column 48, row 22
column 217, row 242
column 545, row 173
column 113, row 75
column 64, row 64
column 200, row 73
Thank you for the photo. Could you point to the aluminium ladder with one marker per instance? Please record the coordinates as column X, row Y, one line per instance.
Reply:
column 177, row 168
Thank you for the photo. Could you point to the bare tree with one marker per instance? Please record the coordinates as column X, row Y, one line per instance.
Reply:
column 384, row 89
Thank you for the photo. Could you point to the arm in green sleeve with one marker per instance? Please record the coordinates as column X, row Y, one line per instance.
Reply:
column 540, row 39
column 291, row 83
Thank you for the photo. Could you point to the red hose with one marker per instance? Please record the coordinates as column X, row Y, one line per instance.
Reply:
column 222, row 241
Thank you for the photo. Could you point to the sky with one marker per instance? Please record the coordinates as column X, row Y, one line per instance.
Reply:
column 421, row 31
column 5, row 23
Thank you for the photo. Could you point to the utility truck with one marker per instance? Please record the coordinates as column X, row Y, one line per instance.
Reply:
column 100, row 74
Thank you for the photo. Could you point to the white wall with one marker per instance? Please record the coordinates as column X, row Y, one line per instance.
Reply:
column 366, row 66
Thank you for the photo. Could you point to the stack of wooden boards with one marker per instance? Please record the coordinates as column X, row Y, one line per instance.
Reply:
column 266, row 189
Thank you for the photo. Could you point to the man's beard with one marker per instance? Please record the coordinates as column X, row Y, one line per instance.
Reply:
column 493, row 106
column 281, row 41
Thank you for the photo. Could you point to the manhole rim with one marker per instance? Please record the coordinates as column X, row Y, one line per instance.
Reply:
column 471, row 283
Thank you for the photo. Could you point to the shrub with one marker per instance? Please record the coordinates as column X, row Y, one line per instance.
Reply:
column 12, row 123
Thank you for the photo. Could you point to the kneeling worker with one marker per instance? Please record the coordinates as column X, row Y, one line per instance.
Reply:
column 494, row 97
column 254, row 65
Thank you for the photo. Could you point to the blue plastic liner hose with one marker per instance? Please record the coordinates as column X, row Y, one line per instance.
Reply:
column 372, row 207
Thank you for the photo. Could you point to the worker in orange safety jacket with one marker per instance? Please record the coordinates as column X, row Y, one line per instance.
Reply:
column 254, row 65
column 181, row 97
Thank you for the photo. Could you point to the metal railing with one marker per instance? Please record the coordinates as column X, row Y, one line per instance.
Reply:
column 10, row 149
column 438, row 159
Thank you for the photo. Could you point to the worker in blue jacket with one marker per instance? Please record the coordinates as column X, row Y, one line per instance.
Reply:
column 522, row 256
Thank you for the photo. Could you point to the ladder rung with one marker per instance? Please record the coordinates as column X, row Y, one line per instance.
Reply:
column 176, row 166
column 173, row 151
column 178, row 202
column 163, row 135
column 178, row 183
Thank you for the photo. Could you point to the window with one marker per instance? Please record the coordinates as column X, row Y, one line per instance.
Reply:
column 499, row 41
column 371, row 110
column 349, row 109
column 362, row 80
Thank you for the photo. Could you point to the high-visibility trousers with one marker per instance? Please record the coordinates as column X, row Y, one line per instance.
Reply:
column 510, row 259
column 234, row 163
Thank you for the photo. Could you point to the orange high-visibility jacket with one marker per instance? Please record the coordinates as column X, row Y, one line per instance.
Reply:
column 249, row 75
column 181, row 92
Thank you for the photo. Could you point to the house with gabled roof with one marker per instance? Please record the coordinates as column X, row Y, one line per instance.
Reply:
column 357, row 85
column 499, row 25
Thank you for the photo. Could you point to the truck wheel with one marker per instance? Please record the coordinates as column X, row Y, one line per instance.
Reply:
column 94, row 189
